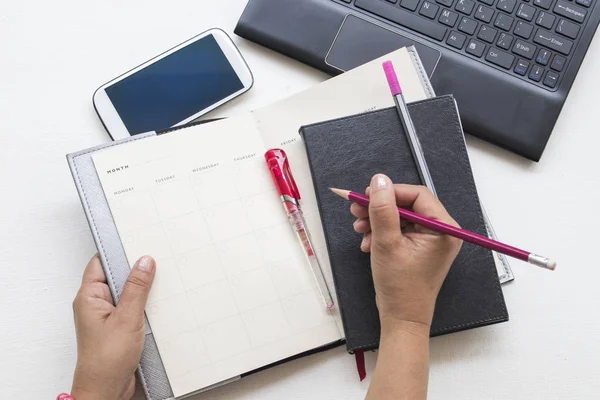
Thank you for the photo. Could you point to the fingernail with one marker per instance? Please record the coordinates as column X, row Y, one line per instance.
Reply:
column 363, row 244
column 379, row 182
column 146, row 264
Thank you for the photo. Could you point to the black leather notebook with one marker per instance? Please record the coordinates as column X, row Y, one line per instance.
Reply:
column 346, row 153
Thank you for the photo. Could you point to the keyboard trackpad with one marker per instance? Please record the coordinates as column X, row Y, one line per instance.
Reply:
column 360, row 41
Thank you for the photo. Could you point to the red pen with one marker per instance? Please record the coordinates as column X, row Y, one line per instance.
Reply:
column 290, row 195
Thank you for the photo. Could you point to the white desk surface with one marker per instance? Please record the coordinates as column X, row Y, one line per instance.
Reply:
column 56, row 53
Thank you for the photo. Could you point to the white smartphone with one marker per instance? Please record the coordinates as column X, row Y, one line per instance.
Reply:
column 175, row 87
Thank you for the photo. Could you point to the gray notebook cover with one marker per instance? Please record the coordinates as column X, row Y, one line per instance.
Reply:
column 151, row 372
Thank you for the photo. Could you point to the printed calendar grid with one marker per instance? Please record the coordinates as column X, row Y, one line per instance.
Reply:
column 240, row 199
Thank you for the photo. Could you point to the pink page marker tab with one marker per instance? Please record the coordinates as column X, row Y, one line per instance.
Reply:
column 392, row 78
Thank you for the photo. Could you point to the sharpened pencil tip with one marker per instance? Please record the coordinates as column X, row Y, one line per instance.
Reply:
column 341, row 192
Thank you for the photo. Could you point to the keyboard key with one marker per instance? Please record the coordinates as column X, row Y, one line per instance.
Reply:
column 524, row 30
column 503, row 21
column 567, row 28
column 551, row 79
column 505, row 41
column 487, row 34
column 570, row 11
column 552, row 41
column 447, row 3
column 545, row 4
column 506, row 5
column 484, row 13
column 500, row 58
column 585, row 3
column 391, row 1
column 558, row 62
column 456, row 40
column 521, row 67
column 488, row 2
column 545, row 19
column 467, row 25
column 429, row 9
column 410, row 4
column 475, row 48
column 465, row 6
column 543, row 57
column 404, row 18
column 526, row 12
column 524, row 49
column 448, row 17
column 536, row 73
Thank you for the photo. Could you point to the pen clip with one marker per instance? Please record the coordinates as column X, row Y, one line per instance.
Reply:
column 279, row 166
column 289, row 177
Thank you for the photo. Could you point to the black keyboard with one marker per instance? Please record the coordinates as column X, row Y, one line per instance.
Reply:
column 508, row 63
column 531, row 39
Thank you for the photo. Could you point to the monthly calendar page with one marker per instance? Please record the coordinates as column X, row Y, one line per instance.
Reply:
column 233, row 291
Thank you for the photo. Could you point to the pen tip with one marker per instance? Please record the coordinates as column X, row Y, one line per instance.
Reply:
column 341, row 192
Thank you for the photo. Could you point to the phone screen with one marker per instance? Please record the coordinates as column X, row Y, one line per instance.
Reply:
column 175, row 87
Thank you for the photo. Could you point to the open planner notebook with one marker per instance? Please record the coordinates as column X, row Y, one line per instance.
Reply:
column 233, row 292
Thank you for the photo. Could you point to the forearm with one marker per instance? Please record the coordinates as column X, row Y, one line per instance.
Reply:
column 403, row 363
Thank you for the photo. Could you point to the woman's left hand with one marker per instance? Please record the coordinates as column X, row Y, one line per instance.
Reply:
column 110, row 338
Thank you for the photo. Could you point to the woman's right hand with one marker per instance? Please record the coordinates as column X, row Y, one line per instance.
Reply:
column 409, row 262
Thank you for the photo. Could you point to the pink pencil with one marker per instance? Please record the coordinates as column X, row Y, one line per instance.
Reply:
column 456, row 232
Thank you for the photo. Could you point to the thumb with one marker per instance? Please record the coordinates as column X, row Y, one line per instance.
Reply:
column 383, row 212
column 130, row 308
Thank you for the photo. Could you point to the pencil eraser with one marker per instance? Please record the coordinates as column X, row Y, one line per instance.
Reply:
column 392, row 78
column 541, row 261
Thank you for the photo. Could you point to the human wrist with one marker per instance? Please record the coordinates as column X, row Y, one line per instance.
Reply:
column 403, row 312
column 91, row 387
column 391, row 326
column 82, row 394
column 410, row 318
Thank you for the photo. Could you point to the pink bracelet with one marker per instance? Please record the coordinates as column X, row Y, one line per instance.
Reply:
column 65, row 396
